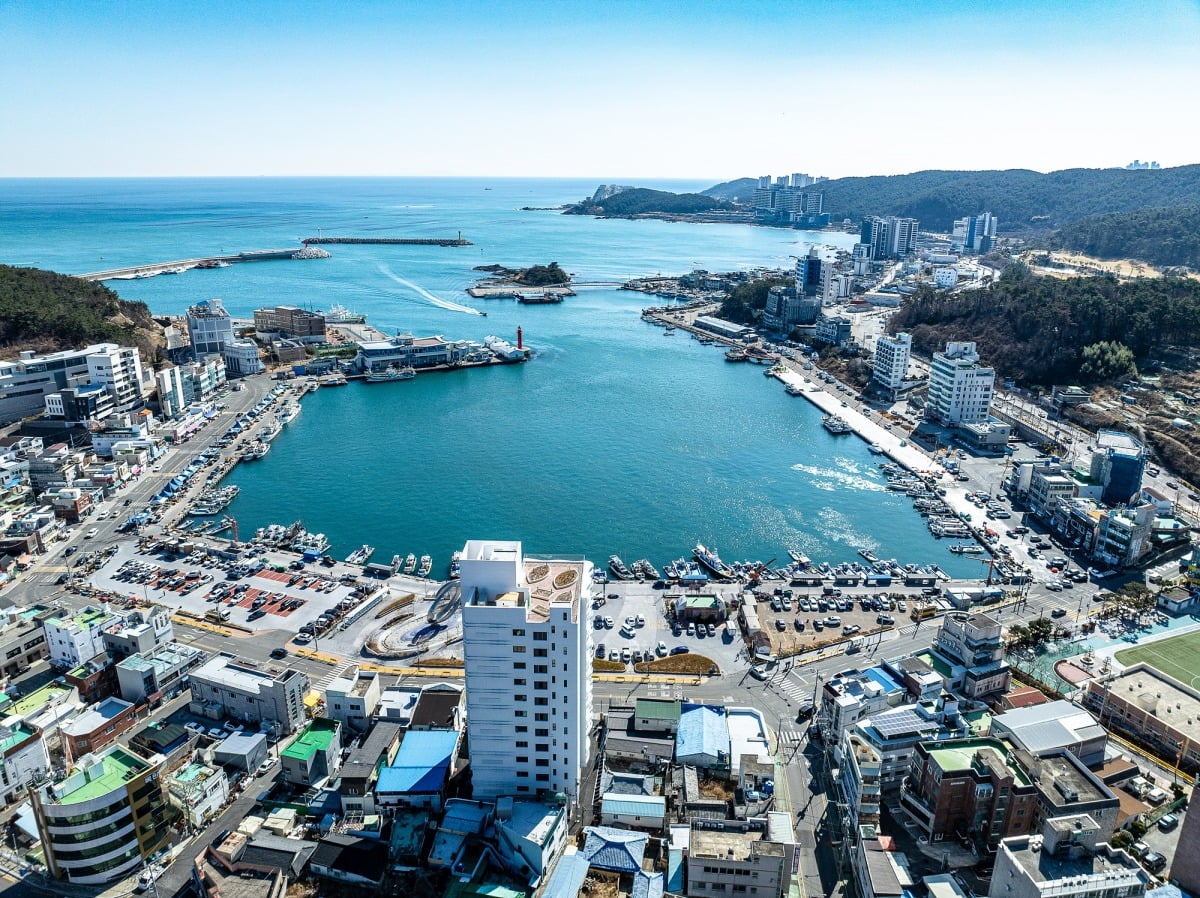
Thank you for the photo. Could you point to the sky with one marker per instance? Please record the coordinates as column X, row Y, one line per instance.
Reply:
column 606, row 88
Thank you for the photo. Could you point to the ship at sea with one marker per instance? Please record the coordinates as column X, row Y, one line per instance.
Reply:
column 710, row 559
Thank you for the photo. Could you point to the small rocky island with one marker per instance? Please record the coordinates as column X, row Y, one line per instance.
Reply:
column 535, row 285
column 535, row 276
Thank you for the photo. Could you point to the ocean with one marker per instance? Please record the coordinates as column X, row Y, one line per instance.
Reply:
column 613, row 439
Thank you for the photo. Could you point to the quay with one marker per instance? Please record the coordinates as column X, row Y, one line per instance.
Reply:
column 515, row 291
column 392, row 241
column 156, row 268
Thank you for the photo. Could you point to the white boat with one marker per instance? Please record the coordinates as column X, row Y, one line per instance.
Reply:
column 875, row 448
column 310, row 542
column 334, row 380
column 341, row 315
column 290, row 414
column 360, row 555
column 410, row 563
column 836, row 425
column 425, row 567
column 390, row 373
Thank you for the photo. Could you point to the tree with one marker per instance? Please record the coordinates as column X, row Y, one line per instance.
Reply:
column 1122, row 839
column 1106, row 361
column 1018, row 635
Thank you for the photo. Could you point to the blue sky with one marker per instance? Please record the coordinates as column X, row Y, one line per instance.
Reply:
column 609, row 88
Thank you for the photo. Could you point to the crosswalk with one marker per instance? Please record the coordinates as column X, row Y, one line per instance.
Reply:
column 790, row 736
column 795, row 688
column 323, row 684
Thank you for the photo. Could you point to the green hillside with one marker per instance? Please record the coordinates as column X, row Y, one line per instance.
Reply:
column 642, row 201
column 1162, row 237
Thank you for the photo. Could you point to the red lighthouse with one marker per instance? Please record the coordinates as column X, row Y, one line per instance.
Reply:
column 519, row 345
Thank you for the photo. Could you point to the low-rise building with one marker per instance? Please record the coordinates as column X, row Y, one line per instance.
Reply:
column 1066, row 861
column 314, row 755
column 1067, row 788
column 353, row 698
column 405, row 350
column 199, row 792
column 703, row 737
column 78, row 637
column 1043, row 729
column 851, row 695
column 439, row 707
column 1145, row 704
column 242, row 752
column 360, row 773
column 418, row 776
column 24, row 759
column 242, row 358
column 225, row 686
column 648, row 812
column 719, row 863
column 140, row 632
column 104, row 820
column 291, row 323
column 971, row 643
column 969, row 788
column 98, row 726
column 23, row 637
column 159, row 674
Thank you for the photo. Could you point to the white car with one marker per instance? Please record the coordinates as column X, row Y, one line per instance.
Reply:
column 91, row 534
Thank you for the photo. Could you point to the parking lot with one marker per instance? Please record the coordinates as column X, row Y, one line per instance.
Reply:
column 798, row 620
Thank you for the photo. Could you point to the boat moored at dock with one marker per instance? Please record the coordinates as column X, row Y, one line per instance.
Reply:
column 708, row 557
column 360, row 555
column 618, row 568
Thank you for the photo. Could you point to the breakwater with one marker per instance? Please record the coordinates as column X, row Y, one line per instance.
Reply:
column 392, row 241
column 152, row 269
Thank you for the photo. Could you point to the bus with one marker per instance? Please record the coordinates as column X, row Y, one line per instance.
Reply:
column 923, row 612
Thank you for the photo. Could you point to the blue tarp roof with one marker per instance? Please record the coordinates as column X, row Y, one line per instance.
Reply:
column 421, row 764
column 702, row 731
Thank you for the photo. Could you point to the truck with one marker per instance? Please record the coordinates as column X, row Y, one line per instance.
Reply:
column 217, row 616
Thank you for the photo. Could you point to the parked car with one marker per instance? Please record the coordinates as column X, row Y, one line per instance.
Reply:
column 601, row 651
column 680, row 650
column 1154, row 861
column 278, row 653
column 1168, row 822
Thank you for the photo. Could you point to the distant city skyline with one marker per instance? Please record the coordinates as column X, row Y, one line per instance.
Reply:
column 621, row 90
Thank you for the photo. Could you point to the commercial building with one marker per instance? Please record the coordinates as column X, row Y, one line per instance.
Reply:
column 720, row 863
column 814, row 270
column 973, row 788
column 1066, row 861
column 1046, row 728
column 157, row 674
column 527, row 647
column 199, row 792
column 1067, row 788
column 23, row 637
column 1123, row 535
column 852, row 695
column 98, row 726
column 139, row 632
column 290, row 323
column 1145, row 704
column 242, row 752
column 971, row 644
column 1118, row 462
column 173, row 397
column 353, row 698
column 210, row 328
column 104, row 820
column 889, row 367
column 785, row 310
column 405, row 350
column 225, row 686
column 723, row 328
column 836, row 330
column 960, row 389
column 314, row 755
column 1048, row 484
column 242, row 358
column 80, row 405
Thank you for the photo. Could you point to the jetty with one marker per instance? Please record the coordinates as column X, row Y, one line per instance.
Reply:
column 392, row 241
column 151, row 269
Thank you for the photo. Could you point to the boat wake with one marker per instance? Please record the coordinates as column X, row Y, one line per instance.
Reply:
column 425, row 294
column 831, row 479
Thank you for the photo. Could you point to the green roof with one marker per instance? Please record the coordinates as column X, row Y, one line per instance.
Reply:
column 317, row 736
column 114, row 769
column 18, row 733
column 936, row 664
column 959, row 754
column 656, row 709
column 84, row 619
column 33, row 701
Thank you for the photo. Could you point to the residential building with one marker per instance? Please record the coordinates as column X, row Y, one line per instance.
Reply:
column 1048, row 485
column 157, row 674
column 27, row 381
column 975, row 233
column 720, row 863
column 648, row 812
column 172, row 394
column 23, row 637
column 199, row 792
column 290, row 323
column 813, row 272
column 960, row 389
column 76, row 638
column 945, row 276
column 851, row 695
column 861, row 777
column 1144, row 704
column 785, row 310
column 833, row 329
column 243, row 752
column 1066, row 861
column 969, row 787
column 242, row 358
column 225, row 686
column 439, row 707
column 105, row 819
column 703, row 737
column 98, row 726
column 359, row 775
column 352, row 699
column 1046, row 728
column 527, row 645
column 210, row 328
column 1118, row 462
column 418, row 776
column 24, row 759
column 314, row 755
column 80, row 405
column 1123, row 535
column 119, row 370
column 139, row 633
column 889, row 238
column 889, row 367
column 788, row 199
column 971, row 643
column 879, row 870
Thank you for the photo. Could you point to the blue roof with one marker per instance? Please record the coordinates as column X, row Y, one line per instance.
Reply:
column 647, row 885
column 620, row 850
column 567, row 878
column 884, row 679
column 421, row 763
column 702, row 731
column 633, row 805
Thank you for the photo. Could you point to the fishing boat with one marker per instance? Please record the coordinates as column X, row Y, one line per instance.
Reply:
column 455, row 565
column 390, row 373
column 875, row 449
column 711, row 560
column 341, row 315
column 310, row 542
column 836, row 425
column 289, row 414
column 618, row 568
column 410, row 563
column 798, row 557
column 966, row 549
column 793, row 390
column 425, row 567
column 360, row 555
column 334, row 380
column 645, row 568
column 736, row 355
column 868, row 555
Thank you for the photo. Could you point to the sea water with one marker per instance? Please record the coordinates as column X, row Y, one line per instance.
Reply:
column 614, row 438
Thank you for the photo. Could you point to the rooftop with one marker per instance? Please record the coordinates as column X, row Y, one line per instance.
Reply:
column 421, row 764
column 364, row 759
column 96, row 716
column 317, row 736
column 98, row 775
column 657, row 709
column 961, row 754
column 633, row 805
column 48, row 694
column 1040, row 728
column 731, row 846
column 1108, row 868
column 82, row 620
column 14, row 735
column 435, row 707
column 1063, row 780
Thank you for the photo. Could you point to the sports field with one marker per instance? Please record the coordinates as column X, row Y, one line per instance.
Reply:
column 1178, row 657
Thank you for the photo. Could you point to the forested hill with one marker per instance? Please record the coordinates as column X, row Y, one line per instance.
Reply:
column 1163, row 237
column 1021, row 199
column 642, row 201
column 46, row 311
column 1047, row 330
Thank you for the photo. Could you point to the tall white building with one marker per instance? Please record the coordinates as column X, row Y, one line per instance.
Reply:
column 527, row 648
column 119, row 370
column 172, row 393
column 960, row 389
column 891, row 360
column 209, row 328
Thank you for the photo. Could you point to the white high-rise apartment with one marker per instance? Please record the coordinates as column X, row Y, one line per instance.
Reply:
column 891, row 360
column 209, row 328
column 528, row 648
column 960, row 390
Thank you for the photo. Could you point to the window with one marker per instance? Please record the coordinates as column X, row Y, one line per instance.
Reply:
column 518, row 649
column 518, row 665
column 519, row 682
column 543, row 777
column 540, row 637
column 542, row 734
column 522, row 744
column 522, row 729
column 539, row 684
column 540, row 717
column 540, row 700
column 517, row 632
column 541, row 746
column 537, row 653
column 539, row 762
column 520, row 713
column 522, row 759
column 520, row 698
column 540, row 669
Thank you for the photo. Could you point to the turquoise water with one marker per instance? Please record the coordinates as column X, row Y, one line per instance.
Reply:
column 614, row 438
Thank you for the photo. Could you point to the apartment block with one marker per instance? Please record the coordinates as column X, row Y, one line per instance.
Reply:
column 225, row 686
column 960, row 389
column 971, row 643
column 890, row 365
